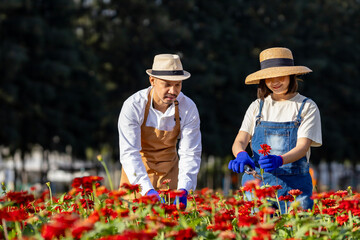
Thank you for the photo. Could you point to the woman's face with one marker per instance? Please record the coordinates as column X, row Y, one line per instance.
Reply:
column 278, row 85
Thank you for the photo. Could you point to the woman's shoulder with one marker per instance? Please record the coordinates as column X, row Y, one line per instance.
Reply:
column 309, row 101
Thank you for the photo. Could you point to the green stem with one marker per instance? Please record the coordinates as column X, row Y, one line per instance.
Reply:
column 48, row 184
column 277, row 200
column 5, row 229
column 18, row 230
column 108, row 175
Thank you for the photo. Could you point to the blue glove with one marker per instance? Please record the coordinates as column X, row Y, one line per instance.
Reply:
column 242, row 159
column 270, row 162
column 183, row 198
column 155, row 193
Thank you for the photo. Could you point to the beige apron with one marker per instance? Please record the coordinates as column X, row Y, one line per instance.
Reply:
column 158, row 152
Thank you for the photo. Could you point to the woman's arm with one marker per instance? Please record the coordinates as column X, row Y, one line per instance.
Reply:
column 240, row 143
column 300, row 150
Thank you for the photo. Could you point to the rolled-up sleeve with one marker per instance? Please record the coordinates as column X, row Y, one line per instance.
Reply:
column 190, row 150
column 129, row 127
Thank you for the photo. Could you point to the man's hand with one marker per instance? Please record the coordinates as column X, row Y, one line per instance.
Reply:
column 242, row 159
column 182, row 198
column 153, row 192
column 270, row 162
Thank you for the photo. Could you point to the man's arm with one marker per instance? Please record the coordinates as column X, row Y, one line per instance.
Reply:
column 129, row 127
column 190, row 151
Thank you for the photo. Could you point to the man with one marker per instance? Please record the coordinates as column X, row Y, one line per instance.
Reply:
column 150, row 123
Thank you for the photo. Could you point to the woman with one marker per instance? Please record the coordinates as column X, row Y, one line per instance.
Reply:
column 283, row 119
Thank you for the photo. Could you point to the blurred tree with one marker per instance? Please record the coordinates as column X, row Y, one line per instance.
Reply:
column 49, row 94
column 219, row 43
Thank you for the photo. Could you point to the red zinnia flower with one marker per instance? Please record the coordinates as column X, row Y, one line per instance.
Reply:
column 265, row 149
column 176, row 193
column 277, row 187
column 342, row 219
column 247, row 221
column 221, row 226
column 185, row 234
column 328, row 202
column 131, row 187
column 295, row 192
column 264, row 230
column 265, row 192
column 252, row 184
column 166, row 181
column 286, row 198
column 330, row 211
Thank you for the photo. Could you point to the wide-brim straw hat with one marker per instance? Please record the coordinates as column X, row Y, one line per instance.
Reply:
column 276, row 62
column 168, row 67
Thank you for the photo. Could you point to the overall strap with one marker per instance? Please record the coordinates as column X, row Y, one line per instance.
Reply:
column 298, row 117
column 258, row 117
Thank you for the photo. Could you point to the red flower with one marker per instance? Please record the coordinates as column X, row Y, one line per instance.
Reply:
column 264, row 230
column 277, row 187
column 185, row 234
column 349, row 204
column 15, row 215
column 21, row 198
column 252, row 184
column 224, row 215
column 166, row 181
column 227, row 235
column 265, row 192
column 59, row 224
column 295, row 192
column 247, row 221
column 80, row 227
column 169, row 222
column 117, row 193
column 286, row 198
column 152, row 199
column 265, row 149
column 328, row 202
column 341, row 194
column 86, row 182
column 221, row 226
column 342, row 219
column 131, row 187
column 330, row 211
column 143, row 234
column 177, row 193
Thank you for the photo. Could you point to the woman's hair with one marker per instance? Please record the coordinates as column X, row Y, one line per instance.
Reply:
column 263, row 91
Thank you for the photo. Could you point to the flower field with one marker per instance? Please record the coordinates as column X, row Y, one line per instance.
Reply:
column 90, row 211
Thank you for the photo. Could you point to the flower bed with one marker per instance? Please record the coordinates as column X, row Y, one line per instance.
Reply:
column 90, row 211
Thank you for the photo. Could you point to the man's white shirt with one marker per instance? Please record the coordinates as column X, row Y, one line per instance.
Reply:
column 129, row 125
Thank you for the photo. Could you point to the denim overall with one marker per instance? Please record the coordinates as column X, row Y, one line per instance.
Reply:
column 282, row 137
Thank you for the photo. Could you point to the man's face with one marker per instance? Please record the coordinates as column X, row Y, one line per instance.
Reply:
column 165, row 92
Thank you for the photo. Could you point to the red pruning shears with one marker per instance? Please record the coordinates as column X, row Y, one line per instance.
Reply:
column 249, row 170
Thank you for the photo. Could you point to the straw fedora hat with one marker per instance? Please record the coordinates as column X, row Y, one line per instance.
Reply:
column 168, row 67
column 276, row 62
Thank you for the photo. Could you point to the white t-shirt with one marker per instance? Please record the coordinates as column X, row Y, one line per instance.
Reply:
column 285, row 111
column 129, row 125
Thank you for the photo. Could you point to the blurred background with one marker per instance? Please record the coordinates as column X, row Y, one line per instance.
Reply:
column 66, row 66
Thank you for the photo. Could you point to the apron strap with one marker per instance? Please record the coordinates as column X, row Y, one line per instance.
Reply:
column 258, row 117
column 177, row 118
column 298, row 117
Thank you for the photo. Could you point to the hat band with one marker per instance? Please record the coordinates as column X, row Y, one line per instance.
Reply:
column 167, row 73
column 276, row 62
